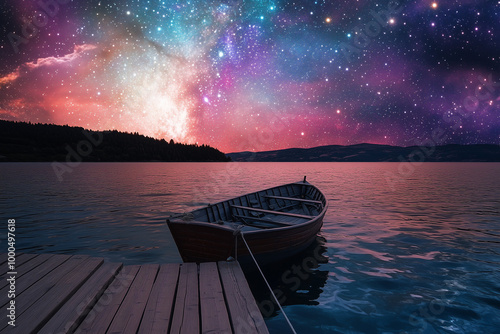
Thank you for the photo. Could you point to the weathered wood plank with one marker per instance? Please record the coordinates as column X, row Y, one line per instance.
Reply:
column 244, row 313
column 294, row 199
column 31, row 262
column 48, row 266
column 266, row 220
column 20, row 259
column 306, row 209
column 32, row 287
column 72, row 313
column 128, row 316
column 272, row 212
column 39, row 287
column 158, row 313
column 101, row 315
column 34, row 317
column 28, row 280
column 186, row 313
column 214, row 315
column 78, row 294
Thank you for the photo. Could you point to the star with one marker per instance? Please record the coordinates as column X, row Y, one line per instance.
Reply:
column 226, row 73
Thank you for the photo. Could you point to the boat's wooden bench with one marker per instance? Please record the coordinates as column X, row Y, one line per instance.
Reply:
column 272, row 212
column 294, row 199
column 264, row 220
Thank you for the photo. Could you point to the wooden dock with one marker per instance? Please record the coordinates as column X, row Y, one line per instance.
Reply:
column 81, row 294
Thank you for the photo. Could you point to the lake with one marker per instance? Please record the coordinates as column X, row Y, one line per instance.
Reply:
column 417, row 252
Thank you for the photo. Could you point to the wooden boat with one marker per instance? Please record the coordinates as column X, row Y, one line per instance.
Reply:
column 277, row 223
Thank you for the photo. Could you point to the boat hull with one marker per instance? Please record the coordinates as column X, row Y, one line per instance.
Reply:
column 292, row 215
column 203, row 242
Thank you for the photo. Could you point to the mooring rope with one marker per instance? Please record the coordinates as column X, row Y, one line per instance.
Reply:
column 265, row 280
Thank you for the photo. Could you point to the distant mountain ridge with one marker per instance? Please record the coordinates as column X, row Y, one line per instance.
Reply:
column 376, row 153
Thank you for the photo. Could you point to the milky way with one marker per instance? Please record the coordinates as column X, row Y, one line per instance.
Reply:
column 256, row 75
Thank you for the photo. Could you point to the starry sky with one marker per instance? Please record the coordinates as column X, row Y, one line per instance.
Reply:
column 256, row 74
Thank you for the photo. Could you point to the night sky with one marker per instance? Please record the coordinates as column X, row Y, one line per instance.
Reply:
column 256, row 75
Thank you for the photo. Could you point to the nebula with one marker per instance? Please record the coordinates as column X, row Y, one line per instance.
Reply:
column 256, row 75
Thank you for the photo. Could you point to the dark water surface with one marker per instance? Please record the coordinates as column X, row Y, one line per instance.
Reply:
column 421, row 255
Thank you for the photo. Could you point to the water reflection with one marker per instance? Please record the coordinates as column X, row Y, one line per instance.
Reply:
column 423, row 258
column 299, row 280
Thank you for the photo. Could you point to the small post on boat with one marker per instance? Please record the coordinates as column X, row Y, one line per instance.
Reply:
column 236, row 233
column 236, row 247
column 303, row 190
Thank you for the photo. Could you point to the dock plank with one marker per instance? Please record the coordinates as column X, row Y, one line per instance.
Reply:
column 128, row 317
column 103, row 312
column 19, row 261
column 186, row 313
column 72, row 313
column 29, row 280
column 25, row 267
column 80, row 294
column 38, row 313
column 34, row 287
column 244, row 313
column 158, row 313
column 214, row 314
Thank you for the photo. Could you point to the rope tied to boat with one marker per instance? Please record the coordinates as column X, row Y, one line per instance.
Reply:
column 238, row 232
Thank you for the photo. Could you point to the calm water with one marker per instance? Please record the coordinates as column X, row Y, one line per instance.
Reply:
column 423, row 257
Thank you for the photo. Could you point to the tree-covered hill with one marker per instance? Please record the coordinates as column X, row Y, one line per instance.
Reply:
column 24, row 142
column 377, row 153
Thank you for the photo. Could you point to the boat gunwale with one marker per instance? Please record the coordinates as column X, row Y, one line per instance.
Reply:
column 177, row 219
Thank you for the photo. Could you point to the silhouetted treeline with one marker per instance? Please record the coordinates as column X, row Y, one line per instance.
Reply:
column 21, row 141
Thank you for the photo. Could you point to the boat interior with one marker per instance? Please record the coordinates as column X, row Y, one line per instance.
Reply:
column 281, row 206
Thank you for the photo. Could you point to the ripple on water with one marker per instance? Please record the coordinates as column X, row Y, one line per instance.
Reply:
column 422, row 258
